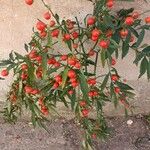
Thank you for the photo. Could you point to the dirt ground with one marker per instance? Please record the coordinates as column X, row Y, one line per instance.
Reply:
column 65, row 135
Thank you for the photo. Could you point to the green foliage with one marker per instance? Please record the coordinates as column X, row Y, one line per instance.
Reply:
column 46, row 76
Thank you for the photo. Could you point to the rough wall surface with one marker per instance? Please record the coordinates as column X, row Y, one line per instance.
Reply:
column 17, row 20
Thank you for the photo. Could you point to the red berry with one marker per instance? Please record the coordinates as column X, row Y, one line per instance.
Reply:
column 71, row 74
column 73, row 80
column 82, row 103
column 114, row 78
column 135, row 15
column 57, row 64
column 39, row 59
column 70, row 92
column 28, row 89
column 47, row 15
column 70, row 26
column 24, row 76
column 110, row 3
column 132, row 39
column 147, row 20
column 33, row 54
column 129, row 21
column 94, row 135
column 55, row 33
column 55, row 85
column 109, row 33
column 78, row 65
column 58, row 78
column 44, row 110
column 40, row 26
column 29, row 2
column 94, row 38
column 96, row 33
column 72, row 61
column 51, row 61
column 64, row 57
column 75, row 34
column 39, row 74
column 24, row 66
column 13, row 98
column 91, row 21
column 4, row 73
column 35, row 91
column 124, row 33
column 85, row 112
column 91, row 53
column 95, row 93
column 52, row 23
column 40, row 101
column 113, row 61
column 104, row 44
column 43, row 34
column 91, row 81
column 90, row 94
column 117, row 90
column 75, row 46
column 67, row 37
column 74, row 84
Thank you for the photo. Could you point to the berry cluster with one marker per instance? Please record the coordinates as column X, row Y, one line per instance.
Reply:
column 62, row 64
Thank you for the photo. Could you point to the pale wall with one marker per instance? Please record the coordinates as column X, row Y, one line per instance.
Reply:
column 17, row 20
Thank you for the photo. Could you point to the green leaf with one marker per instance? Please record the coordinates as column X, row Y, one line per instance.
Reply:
column 73, row 100
column 125, row 12
column 138, row 58
column 113, row 95
column 146, row 27
column 84, row 86
column 134, row 32
column 114, row 43
column 140, row 39
column 124, row 86
column 64, row 101
column 30, row 69
column 57, row 17
column 11, row 56
column 69, row 45
column 33, row 119
column 89, row 74
column 116, row 37
column 146, row 50
column 103, row 59
column 51, row 70
column 19, row 56
column 103, row 85
column 44, row 65
column 26, row 47
column 64, row 77
column 88, row 61
column 148, row 70
column 49, row 39
column 125, row 46
column 143, row 66
column 5, row 62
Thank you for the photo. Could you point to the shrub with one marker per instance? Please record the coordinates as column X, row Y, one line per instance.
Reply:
column 45, row 75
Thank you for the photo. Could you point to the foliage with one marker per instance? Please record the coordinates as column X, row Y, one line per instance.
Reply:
column 46, row 75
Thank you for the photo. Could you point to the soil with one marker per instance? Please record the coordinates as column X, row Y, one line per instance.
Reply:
column 65, row 135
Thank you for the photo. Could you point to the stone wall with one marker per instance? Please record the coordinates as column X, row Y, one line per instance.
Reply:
column 17, row 20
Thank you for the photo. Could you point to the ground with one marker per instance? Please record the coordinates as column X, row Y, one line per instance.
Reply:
column 65, row 135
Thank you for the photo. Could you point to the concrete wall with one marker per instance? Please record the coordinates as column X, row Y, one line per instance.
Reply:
column 17, row 20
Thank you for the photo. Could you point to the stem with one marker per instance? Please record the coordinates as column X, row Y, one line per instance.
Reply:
column 52, row 14
column 81, row 43
column 96, row 60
